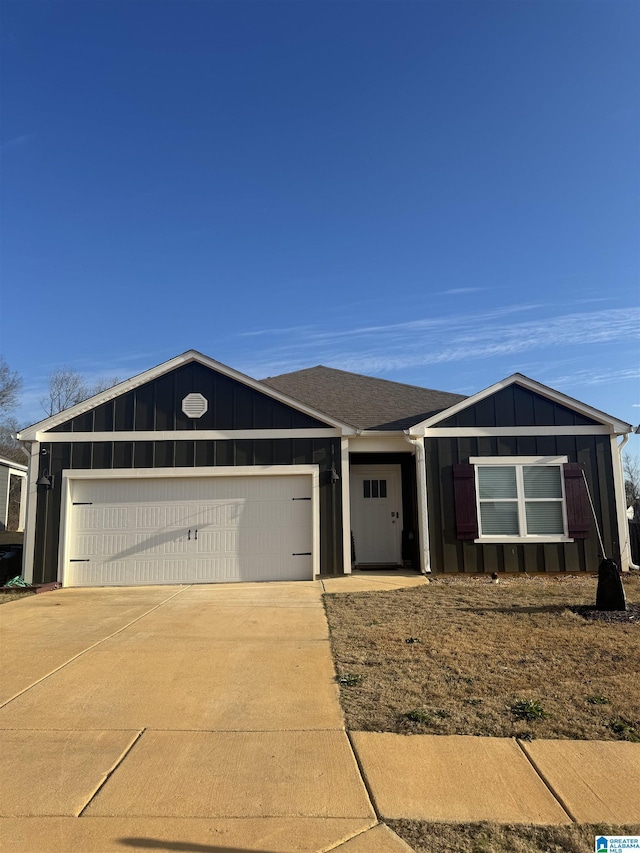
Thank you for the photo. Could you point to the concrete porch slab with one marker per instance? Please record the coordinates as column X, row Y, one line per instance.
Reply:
column 374, row 581
column 159, row 835
column 137, row 681
column 454, row 778
column 598, row 781
column 236, row 774
column 56, row 772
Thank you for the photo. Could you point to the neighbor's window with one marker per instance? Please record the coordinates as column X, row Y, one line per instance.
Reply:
column 523, row 500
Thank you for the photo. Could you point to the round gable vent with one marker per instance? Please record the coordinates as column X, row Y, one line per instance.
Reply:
column 194, row 405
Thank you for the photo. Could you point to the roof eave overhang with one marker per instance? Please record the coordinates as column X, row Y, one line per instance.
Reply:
column 33, row 433
column 615, row 426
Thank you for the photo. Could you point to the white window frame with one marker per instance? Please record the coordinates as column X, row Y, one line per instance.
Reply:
column 519, row 463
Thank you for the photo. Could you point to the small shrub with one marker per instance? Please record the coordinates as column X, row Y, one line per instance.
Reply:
column 350, row 679
column 527, row 735
column 418, row 715
column 598, row 700
column 410, row 640
column 528, row 709
column 625, row 729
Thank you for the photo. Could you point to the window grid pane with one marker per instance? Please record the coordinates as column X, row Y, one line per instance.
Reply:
column 542, row 481
column 544, row 517
column 499, row 518
column 497, row 481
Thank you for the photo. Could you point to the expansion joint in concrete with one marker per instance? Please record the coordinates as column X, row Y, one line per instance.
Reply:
column 547, row 783
column 111, row 771
column 341, row 843
column 363, row 776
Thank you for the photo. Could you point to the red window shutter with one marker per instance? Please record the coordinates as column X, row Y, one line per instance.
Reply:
column 578, row 508
column 464, row 489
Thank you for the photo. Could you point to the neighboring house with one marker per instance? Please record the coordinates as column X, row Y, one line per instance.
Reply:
column 9, row 469
column 194, row 473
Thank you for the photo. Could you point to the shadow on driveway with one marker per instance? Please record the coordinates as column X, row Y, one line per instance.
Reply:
column 184, row 846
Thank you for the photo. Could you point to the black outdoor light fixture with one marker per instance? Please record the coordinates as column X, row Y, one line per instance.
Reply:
column 46, row 480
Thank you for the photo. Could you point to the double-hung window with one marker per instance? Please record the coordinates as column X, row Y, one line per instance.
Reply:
column 520, row 498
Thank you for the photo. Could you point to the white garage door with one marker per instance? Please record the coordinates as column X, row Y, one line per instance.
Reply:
column 191, row 530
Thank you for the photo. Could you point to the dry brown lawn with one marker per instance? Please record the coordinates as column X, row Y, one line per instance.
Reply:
column 462, row 655
column 495, row 838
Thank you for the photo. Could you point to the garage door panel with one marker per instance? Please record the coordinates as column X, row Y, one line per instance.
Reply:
column 208, row 529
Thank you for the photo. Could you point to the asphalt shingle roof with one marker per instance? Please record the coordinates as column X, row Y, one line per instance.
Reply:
column 363, row 402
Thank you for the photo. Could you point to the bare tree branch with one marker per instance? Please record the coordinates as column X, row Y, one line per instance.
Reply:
column 67, row 387
column 10, row 385
column 631, row 469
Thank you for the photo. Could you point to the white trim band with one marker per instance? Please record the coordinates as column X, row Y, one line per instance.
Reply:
column 187, row 435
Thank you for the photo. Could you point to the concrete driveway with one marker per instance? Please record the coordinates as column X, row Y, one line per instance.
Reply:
column 200, row 718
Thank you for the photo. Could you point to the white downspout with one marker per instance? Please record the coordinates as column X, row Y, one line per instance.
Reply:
column 625, row 541
column 423, row 517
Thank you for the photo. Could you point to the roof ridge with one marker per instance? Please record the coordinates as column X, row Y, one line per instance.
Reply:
column 364, row 376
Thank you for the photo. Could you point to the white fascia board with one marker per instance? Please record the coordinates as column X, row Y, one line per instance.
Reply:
column 379, row 442
column 485, row 432
column 187, row 473
column 187, row 435
column 518, row 460
column 29, row 433
column 15, row 466
column 618, row 427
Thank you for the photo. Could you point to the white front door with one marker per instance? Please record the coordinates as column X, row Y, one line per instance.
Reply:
column 376, row 513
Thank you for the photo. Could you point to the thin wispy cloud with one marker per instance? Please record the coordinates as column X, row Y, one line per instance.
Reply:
column 596, row 377
column 458, row 338
column 18, row 141
column 286, row 331
column 456, row 291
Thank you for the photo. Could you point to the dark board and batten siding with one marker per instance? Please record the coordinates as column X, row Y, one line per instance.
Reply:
column 516, row 406
column 157, row 405
column 451, row 554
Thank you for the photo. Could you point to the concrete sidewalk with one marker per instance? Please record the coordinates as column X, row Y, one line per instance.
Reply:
column 206, row 718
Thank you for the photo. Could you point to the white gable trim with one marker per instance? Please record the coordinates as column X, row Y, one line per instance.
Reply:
column 16, row 467
column 616, row 426
column 30, row 433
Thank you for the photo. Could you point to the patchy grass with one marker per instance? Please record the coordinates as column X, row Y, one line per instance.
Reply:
column 498, row 838
column 465, row 656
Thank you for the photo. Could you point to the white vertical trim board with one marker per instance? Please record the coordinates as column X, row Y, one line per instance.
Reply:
column 32, row 512
column 346, row 506
column 621, row 506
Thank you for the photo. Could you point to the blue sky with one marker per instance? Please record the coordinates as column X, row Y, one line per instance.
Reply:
column 438, row 193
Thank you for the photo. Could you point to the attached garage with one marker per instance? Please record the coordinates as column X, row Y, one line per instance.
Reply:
column 201, row 528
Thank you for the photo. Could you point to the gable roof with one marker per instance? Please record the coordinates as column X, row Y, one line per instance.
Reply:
column 32, row 432
column 618, row 427
column 362, row 401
